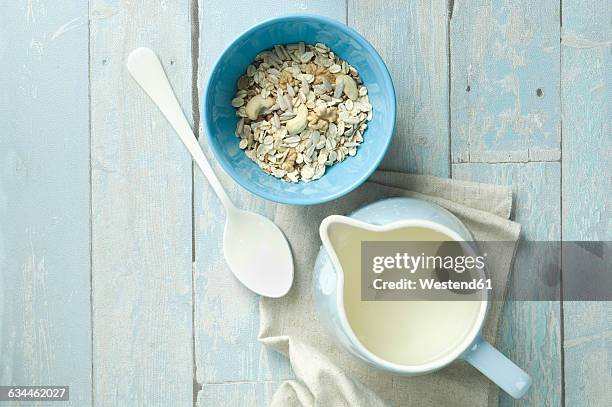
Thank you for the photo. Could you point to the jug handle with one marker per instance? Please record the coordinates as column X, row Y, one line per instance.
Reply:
column 501, row 370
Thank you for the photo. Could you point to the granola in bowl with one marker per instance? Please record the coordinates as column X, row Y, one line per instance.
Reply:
column 301, row 109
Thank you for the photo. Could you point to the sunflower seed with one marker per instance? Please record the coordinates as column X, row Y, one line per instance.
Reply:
column 306, row 56
column 335, row 68
column 339, row 89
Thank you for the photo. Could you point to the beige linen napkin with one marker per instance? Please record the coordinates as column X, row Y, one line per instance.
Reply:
column 326, row 375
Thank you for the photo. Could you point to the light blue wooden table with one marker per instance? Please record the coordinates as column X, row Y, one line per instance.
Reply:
column 111, row 274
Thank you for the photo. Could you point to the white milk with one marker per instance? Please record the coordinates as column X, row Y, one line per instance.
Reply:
column 401, row 332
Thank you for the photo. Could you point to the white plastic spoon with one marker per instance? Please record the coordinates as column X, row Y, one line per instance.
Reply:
column 255, row 248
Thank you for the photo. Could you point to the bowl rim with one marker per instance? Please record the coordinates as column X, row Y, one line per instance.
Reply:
column 298, row 200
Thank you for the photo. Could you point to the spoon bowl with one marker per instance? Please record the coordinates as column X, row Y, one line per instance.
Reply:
column 258, row 253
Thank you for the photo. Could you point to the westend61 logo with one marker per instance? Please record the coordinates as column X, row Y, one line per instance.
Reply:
column 411, row 263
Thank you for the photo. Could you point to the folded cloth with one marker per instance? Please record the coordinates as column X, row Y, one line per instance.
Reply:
column 327, row 375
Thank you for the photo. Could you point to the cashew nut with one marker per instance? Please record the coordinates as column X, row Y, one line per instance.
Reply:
column 299, row 122
column 256, row 105
column 350, row 87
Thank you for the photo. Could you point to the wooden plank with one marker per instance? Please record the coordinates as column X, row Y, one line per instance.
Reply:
column 412, row 38
column 45, row 331
column 586, row 72
column 226, row 314
column 530, row 331
column 505, row 81
column 237, row 394
column 141, row 209
column 505, row 108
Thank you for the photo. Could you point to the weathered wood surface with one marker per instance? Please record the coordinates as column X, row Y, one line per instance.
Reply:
column 141, row 212
column 586, row 73
column 412, row 38
column 504, row 62
column 505, row 81
column 530, row 331
column 45, row 335
column 238, row 394
column 481, row 87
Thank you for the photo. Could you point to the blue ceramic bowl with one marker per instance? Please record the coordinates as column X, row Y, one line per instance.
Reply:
column 220, row 118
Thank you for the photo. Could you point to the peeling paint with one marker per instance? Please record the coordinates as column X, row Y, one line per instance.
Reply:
column 572, row 40
column 64, row 28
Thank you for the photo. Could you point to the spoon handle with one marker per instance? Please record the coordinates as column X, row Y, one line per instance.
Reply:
column 147, row 71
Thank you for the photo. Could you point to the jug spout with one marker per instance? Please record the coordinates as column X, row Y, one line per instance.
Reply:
column 335, row 232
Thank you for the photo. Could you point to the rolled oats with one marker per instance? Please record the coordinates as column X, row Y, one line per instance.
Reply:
column 301, row 109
